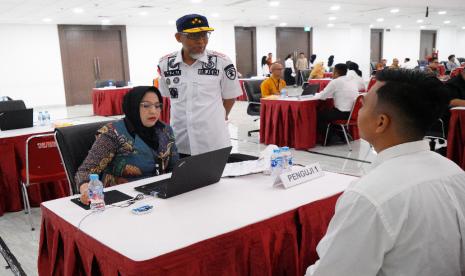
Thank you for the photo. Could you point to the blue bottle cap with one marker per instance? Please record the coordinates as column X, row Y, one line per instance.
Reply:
column 93, row 177
column 284, row 148
column 276, row 150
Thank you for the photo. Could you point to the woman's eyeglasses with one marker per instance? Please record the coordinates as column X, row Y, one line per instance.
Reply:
column 197, row 36
column 147, row 105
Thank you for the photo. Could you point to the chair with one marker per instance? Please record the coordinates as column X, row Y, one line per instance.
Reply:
column 351, row 121
column 74, row 143
column 456, row 72
column 12, row 105
column 104, row 83
column 253, row 91
column 43, row 164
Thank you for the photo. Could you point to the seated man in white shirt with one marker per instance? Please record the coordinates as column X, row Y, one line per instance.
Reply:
column 354, row 72
column 344, row 91
column 406, row 216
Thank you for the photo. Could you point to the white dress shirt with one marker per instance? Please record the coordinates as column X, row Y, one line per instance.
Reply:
column 197, row 92
column 409, row 65
column 343, row 90
column 357, row 79
column 405, row 217
column 289, row 63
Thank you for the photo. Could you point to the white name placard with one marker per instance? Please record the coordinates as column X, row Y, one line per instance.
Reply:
column 299, row 175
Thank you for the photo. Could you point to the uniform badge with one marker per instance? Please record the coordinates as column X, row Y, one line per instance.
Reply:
column 230, row 72
column 174, row 93
column 168, row 81
column 209, row 68
column 176, row 80
column 173, row 68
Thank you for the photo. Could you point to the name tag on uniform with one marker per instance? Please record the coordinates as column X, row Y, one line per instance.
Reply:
column 299, row 175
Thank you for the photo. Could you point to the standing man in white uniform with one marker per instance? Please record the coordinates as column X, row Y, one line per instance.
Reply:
column 202, row 86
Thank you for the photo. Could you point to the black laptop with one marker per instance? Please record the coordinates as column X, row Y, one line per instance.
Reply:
column 310, row 89
column 15, row 119
column 190, row 173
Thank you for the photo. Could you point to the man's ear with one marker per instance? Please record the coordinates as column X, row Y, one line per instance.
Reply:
column 178, row 37
column 383, row 122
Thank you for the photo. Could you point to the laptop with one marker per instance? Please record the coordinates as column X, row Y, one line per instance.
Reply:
column 15, row 119
column 310, row 89
column 190, row 173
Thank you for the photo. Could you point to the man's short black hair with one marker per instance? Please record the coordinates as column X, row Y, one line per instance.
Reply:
column 341, row 69
column 418, row 99
column 451, row 57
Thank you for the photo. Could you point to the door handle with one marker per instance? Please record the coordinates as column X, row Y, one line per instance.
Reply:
column 98, row 67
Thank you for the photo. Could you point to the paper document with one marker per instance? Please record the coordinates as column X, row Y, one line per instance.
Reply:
column 244, row 168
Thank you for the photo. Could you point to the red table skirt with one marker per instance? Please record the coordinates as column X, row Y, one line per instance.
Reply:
column 322, row 82
column 242, row 97
column 12, row 161
column 328, row 75
column 456, row 138
column 109, row 102
column 293, row 123
column 282, row 245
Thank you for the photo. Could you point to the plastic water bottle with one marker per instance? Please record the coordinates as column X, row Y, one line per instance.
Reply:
column 276, row 163
column 41, row 118
column 283, row 93
column 287, row 158
column 110, row 83
column 46, row 118
column 96, row 197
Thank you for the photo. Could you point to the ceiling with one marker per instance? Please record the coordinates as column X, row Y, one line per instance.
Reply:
column 240, row 12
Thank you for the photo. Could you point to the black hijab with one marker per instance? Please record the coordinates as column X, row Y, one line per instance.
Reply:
column 131, row 107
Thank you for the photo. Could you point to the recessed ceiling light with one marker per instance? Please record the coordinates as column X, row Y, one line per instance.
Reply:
column 331, row 18
column 215, row 14
column 335, row 8
column 442, row 12
column 398, row 26
column 394, row 10
column 447, row 22
column 105, row 21
column 380, row 19
column 47, row 20
column 420, row 21
column 463, row 28
column 283, row 24
column 371, row 26
column 78, row 10
column 144, row 13
column 273, row 17
column 330, row 25
column 274, row 3
column 196, row 1
column 422, row 27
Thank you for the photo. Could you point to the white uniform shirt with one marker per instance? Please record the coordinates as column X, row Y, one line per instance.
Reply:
column 405, row 217
column 343, row 90
column 357, row 79
column 289, row 63
column 196, row 92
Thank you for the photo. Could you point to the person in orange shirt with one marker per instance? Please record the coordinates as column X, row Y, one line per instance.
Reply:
column 273, row 84
column 318, row 71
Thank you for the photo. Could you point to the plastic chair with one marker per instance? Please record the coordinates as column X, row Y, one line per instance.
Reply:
column 456, row 72
column 345, row 124
column 252, row 89
column 43, row 164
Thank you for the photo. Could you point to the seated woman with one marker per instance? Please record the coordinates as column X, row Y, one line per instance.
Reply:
column 135, row 147
column 318, row 71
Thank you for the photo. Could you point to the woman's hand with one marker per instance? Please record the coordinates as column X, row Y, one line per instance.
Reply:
column 84, row 190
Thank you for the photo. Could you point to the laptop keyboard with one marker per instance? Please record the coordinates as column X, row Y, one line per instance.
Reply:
column 154, row 187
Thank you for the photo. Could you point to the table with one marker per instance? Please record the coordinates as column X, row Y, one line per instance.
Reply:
column 239, row 226
column 109, row 102
column 12, row 161
column 328, row 75
column 322, row 82
column 456, row 136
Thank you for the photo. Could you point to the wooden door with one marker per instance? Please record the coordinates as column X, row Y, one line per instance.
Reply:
column 292, row 41
column 246, row 60
column 90, row 54
column 427, row 43
column 376, row 45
